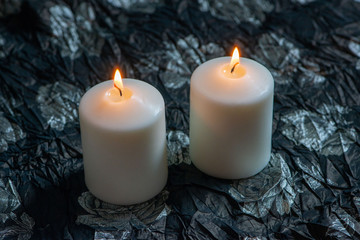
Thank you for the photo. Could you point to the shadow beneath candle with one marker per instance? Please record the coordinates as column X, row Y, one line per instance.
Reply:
column 50, row 209
column 195, row 199
column 70, row 210
column 117, row 221
column 254, row 196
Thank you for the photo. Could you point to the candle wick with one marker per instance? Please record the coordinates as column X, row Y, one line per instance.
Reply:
column 233, row 68
column 119, row 90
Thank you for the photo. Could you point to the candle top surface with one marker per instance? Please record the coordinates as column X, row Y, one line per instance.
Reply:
column 255, row 83
column 140, row 106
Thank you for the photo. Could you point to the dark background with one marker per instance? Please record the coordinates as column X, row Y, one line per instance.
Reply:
column 52, row 52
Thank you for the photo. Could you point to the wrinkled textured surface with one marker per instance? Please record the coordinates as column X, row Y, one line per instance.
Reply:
column 52, row 52
column 107, row 218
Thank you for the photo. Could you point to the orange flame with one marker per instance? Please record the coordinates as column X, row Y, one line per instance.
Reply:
column 118, row 83
column 235, row 59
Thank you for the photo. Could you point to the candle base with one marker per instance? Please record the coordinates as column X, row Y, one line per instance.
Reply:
column 229, row 173
column 131, row 197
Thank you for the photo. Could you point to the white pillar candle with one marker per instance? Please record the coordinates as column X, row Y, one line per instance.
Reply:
column 231, row 117
column 124, row 141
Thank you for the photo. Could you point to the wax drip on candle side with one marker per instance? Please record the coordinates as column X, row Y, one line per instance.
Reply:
column 234, row 69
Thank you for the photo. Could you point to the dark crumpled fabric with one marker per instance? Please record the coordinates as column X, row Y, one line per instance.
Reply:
column 52, row 52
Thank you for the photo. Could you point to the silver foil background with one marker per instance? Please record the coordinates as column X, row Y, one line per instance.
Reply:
column 52, row 52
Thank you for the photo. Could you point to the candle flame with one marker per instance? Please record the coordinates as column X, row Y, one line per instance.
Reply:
column 118, row 83
column 235, row 59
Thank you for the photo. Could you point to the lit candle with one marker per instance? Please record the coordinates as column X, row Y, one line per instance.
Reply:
column 231, row 109
column 123, row 137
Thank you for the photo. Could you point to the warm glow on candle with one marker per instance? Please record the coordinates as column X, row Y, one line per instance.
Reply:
column 234, row 69
column 235, row 59
column 118, row 83
column 118, row 93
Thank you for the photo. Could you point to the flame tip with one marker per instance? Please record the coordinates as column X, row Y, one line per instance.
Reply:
column 235, row 57
column 118, row 83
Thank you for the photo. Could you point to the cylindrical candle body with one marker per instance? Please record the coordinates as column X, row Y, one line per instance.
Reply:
column 231, row 119
column 124, row 142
